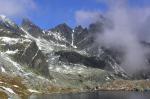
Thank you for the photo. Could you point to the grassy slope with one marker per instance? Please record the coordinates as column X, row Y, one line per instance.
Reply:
column 14, row 83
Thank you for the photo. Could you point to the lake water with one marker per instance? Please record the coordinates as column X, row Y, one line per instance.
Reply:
column 96, row 95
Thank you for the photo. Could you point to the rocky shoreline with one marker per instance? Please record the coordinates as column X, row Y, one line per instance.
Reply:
column 13, row 87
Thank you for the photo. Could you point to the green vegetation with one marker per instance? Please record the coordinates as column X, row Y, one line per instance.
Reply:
column 15, row 83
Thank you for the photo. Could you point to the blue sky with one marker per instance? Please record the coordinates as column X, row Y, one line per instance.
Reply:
column 49, row 13
column 53, row 12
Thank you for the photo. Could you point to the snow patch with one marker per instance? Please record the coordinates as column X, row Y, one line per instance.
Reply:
column 72, row 42
column 43, row 32
column 4, row 19
column 4, row 55
column 8, row 89
column 107, row 78
column 3, row 69
column 28, row 74
column 68, row 69
column 16, row 86
column 11, row 52
column 8, row 40
column 41, row 43
column 33, row 91
column 1, row 82
column 56, row 35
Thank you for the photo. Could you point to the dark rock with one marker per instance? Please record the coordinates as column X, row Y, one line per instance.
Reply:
column 65, row 31
column 11, row 31
column 34, row 58
column 81, row 37
column 95, row 27
column 76, row 58
column 33, row 29
column 52, row 38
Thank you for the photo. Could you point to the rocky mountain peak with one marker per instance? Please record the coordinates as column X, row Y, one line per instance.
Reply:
column 7, row 22
column 63, row 28
column 59, row 56
column 78, row 29
column 65, row 31
column 33, row 29
column 2, row 17
column 26, row 21
column 96, row 27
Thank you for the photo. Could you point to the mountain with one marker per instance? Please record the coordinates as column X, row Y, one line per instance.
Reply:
column 55, row 60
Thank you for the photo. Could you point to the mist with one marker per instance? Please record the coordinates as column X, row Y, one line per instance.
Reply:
column 130, row 26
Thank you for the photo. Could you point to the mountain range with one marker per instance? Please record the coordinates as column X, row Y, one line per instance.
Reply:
column 60, row 59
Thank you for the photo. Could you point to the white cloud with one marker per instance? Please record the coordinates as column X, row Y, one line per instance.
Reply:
column 84, row 18
column 16, row 7
column 130, row 25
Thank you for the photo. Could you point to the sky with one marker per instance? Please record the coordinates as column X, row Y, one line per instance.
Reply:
column 49, row 13
column 53, row 12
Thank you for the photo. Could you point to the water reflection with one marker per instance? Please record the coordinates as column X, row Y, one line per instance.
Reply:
column 96, row 95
